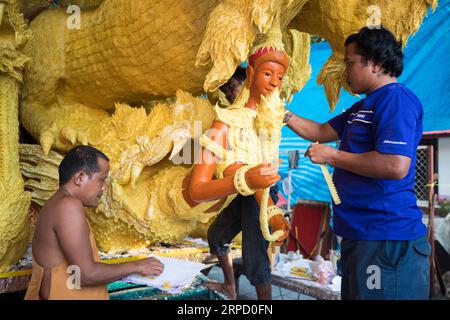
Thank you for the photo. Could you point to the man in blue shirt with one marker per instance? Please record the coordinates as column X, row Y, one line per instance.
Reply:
column 384, row 249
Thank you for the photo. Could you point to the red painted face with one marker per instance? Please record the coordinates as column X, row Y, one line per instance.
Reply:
column 265, row 73
column 267, row 76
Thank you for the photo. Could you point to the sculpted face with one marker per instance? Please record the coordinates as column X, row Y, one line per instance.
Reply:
column 266, row 78
column 266, row 74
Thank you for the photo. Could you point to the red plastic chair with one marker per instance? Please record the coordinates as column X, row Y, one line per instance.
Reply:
column 310, row 229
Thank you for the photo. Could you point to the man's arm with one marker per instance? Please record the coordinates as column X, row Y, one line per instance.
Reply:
column 371, row 164
column 72, row 232
column 310, row 130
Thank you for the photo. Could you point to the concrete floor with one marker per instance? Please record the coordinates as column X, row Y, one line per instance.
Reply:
column 247, row 291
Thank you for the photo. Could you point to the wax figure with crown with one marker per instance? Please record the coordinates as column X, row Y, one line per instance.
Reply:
column 239, row 159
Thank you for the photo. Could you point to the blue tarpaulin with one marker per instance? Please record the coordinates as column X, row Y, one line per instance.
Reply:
column 426, row 72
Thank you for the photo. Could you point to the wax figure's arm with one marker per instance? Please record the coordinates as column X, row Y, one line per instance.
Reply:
column 258, row 194
column 371, row 164
column 277, row 222
column 204, row 188
column 311, row 130
column 72, row 232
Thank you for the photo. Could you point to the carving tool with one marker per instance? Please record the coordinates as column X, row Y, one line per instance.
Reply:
column 330, row 183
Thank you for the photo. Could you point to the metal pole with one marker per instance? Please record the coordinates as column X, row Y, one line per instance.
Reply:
column 431, row 203
column 289, row 190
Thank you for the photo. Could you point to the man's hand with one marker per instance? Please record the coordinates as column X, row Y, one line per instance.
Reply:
column 308, row 129
column 278, row 222
column 149, row 266
column 262, row 176
column 320, row 153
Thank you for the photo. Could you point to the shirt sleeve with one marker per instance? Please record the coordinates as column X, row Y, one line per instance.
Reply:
column 338, row 123
column 396, row 122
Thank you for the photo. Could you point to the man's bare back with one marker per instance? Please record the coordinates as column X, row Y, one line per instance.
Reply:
column 46, row 248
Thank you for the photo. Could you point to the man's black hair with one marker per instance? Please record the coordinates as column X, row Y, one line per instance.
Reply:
column 80, row 158
column 229, row 87
column 380, row 46
column 239, row 75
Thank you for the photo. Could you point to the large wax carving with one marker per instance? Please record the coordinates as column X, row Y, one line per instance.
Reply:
column 87, row 86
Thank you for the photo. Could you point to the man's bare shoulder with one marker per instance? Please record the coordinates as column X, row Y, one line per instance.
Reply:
column 62, row 208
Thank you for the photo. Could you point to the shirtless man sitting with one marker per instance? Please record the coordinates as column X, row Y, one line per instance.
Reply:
column 66, row 263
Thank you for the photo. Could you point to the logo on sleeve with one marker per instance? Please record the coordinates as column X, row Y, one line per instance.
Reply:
column 395, row 142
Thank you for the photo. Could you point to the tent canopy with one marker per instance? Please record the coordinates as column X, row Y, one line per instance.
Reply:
column 426, row 73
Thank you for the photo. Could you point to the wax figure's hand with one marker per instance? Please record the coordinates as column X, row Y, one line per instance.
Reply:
column 278, row 222
column 149, row 266
column 262, row 176
column 321, row 153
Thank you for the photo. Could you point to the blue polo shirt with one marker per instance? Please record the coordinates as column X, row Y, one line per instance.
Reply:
column 388, row 120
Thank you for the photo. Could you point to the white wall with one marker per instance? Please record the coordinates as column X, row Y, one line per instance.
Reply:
column 444, row 166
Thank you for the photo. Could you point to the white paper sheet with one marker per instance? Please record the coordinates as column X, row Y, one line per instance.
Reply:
column 177, row 274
